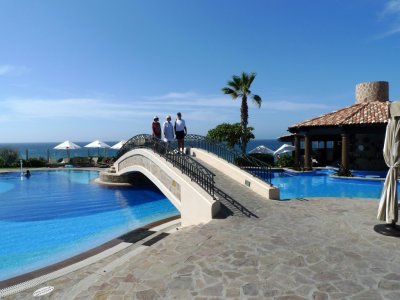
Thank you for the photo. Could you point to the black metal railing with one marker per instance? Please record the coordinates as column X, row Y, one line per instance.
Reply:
column 190, row 167
column 246, row 162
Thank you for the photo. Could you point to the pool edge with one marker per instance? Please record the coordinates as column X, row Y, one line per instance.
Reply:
column 15, row 283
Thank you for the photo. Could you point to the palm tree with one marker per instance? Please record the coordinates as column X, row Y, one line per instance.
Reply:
column 239, row 87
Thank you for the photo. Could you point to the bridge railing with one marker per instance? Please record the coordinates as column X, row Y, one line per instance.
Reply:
column 186, row 164
column 246, row 162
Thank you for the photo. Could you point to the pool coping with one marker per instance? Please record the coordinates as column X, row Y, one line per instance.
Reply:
column 18, row 170
column 331, row 175
column 21, row 282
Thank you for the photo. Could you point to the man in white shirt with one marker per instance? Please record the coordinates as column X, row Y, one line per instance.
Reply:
column 180, row 131
column 168, row 130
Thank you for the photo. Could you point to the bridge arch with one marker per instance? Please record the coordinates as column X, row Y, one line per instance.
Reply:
column 194, row 203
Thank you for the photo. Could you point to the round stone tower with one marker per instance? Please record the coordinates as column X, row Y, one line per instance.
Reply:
column 372, row 91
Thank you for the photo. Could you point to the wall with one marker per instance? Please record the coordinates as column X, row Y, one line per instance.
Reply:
column 256, row 185
column 366, row 152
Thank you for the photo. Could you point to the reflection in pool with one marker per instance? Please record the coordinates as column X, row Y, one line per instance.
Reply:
column 54, row 215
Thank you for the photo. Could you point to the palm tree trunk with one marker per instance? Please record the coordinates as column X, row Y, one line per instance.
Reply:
column 244, row 115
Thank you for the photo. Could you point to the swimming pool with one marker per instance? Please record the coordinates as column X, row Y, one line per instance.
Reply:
column 55, row 215
column 320, row 184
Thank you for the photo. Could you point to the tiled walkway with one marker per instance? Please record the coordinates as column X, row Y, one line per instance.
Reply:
column 299, row 249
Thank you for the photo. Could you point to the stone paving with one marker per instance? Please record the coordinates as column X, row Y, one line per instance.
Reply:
column 298, row 249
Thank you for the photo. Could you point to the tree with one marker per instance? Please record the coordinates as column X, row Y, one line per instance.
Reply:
column 239, row 87
column 230, row 134
column 8, row 157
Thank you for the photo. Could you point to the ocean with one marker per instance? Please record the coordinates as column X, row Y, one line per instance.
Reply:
column 46, row 150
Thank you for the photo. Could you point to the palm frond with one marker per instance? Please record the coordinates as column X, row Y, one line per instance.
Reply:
column 238, row 81
column 251, row 78
column 231, row 92
column 234, row 85
column 257, row 100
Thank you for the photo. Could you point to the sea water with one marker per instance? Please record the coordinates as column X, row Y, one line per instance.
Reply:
column 46, row 150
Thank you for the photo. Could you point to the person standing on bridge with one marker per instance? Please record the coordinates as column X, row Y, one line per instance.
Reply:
column 156, row 128
column 180, row 131
column 168, row 130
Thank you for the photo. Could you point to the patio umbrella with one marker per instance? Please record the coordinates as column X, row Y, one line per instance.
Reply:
column 262, row 149
column 119, row 145
column 67, row 145
column 387, row 210
column 284, row 149
column 97, row 144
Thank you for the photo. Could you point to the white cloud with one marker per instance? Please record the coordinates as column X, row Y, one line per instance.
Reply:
column 391, row 12
column 12, row 70
column 295, row 106
column 392, row 7
column 193, row 106
column 192, row 100
column 28, row 109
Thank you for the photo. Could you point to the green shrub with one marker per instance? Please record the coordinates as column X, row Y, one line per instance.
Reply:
column 35, row 163
column 285, row 161
column 343, row 172
column 8, row 157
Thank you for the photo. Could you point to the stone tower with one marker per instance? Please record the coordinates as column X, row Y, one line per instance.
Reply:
column 372, row 91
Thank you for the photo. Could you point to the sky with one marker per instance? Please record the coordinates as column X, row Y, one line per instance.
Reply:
column 86, row 70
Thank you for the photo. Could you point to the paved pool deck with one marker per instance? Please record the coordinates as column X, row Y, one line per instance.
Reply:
column 298, row 249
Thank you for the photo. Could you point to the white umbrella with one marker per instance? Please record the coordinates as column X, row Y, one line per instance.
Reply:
column 262, row 149
column 67, row 145
column 284, row 149
column 387, row 210
column 118, row 145
column 97, row 144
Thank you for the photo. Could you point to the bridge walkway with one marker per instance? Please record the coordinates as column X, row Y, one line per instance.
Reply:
column 236, row 199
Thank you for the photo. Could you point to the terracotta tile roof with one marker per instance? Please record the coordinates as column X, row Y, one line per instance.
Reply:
column 363, row 113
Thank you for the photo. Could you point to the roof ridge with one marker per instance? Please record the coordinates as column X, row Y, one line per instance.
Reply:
column 358, row 113
column 325, row 115
column 362, row 105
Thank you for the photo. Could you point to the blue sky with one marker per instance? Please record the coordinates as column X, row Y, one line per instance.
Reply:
column 85, row 70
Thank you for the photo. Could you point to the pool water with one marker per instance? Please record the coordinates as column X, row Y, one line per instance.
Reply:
column 320, row 184
column 54, row 215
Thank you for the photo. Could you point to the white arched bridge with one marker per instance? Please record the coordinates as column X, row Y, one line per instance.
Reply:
column 183, row 178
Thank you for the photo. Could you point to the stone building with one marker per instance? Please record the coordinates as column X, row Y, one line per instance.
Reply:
column 352, row 136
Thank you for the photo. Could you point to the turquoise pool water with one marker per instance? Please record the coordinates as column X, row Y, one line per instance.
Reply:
column 320, row 184
column 54, row 215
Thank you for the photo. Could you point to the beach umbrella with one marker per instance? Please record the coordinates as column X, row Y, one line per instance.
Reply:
column 119, row 145
column 388, row 206
column 97, row 144
column 262, row 149
column 67, row 145
column 284, row 149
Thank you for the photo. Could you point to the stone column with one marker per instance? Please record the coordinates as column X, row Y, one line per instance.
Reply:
column 345, row 151
column 296, row 150
column 307, row 153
